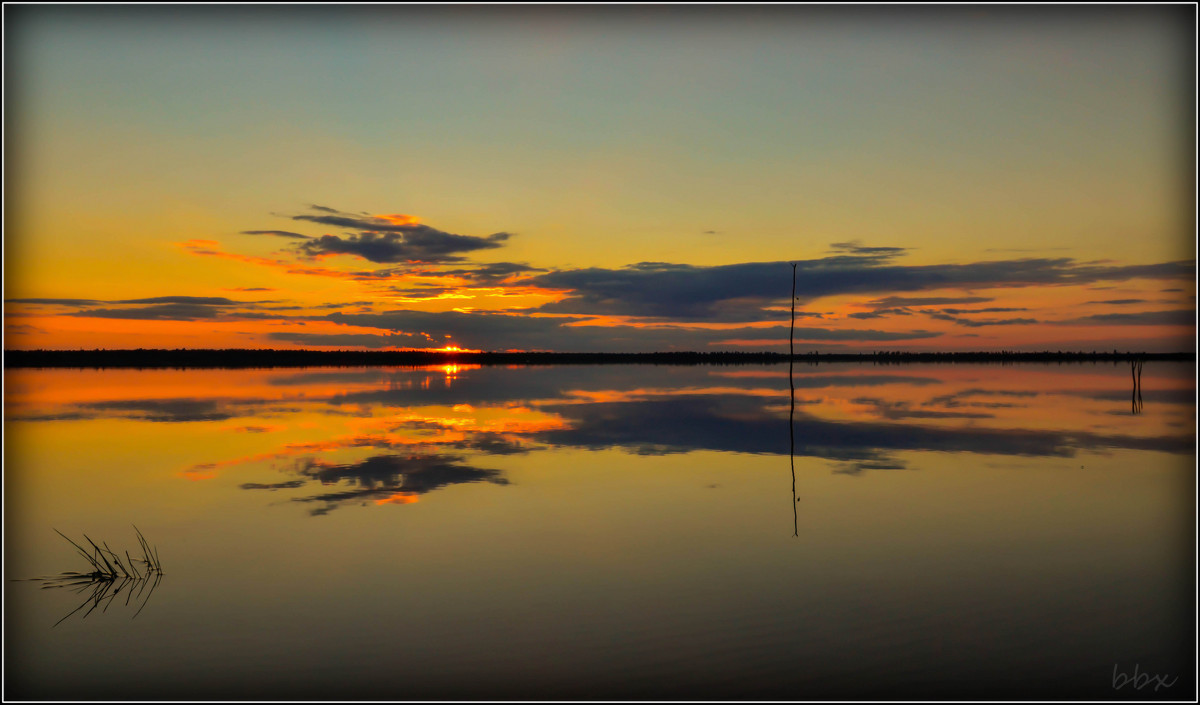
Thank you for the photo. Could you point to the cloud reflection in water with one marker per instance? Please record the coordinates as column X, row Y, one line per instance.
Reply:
column 390, row 436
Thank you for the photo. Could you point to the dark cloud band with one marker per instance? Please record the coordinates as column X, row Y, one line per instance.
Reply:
column 384, row 239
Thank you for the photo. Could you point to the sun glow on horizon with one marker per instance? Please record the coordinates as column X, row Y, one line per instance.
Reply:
column 936, row 224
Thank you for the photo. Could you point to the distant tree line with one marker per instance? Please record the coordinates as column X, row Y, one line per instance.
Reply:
column 244, row 358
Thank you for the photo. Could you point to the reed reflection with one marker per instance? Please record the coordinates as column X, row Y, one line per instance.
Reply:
column 100, row 594
column 112, row 573
column 1136, row 398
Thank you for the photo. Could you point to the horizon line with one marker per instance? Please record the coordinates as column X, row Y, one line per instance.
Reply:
column 99, row 358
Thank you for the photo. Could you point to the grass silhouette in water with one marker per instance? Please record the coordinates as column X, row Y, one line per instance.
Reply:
column 110, row 576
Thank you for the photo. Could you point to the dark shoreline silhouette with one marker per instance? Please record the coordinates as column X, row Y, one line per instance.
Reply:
column 246, row 358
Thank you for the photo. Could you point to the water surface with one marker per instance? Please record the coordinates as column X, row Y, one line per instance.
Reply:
column 897, row 531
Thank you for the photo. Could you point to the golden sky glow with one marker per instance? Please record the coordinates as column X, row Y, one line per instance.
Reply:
column 636, row 182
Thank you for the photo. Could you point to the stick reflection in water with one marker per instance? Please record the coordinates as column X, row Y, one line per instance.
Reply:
column 1135, row 370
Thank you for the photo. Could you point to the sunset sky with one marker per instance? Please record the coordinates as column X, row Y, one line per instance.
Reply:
column 589, row 178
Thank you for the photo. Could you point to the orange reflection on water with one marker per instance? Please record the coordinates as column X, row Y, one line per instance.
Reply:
column 507, row 419
column 370, row 430
column 205, row 471
column 452, row 371
column 419, row 427
column 579, row 396
column 56, row 387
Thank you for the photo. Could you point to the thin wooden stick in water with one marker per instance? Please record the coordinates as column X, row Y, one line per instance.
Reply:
column 792, row 331
column 792, row 412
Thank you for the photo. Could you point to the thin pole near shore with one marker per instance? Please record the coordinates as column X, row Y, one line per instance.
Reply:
column 792, row 412
column 792, row 331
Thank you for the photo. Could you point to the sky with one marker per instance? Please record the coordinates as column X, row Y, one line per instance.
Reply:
column 600, row 178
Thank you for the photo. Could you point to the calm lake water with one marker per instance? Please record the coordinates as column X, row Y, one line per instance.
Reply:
column 607, row 531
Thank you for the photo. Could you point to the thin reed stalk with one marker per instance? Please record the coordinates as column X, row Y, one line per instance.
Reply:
column 109, row 575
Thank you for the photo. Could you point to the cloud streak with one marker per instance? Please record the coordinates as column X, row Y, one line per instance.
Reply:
column 426, row 245
column 164, row 308
column 1180, row 317
column 743, row 291
column 496, row 331
column 383, row 239
column 278, row 233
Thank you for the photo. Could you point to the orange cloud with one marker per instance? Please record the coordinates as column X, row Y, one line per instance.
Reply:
column 400, row 219
column 398, row 498
column 210, row 248
column 380, row 282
